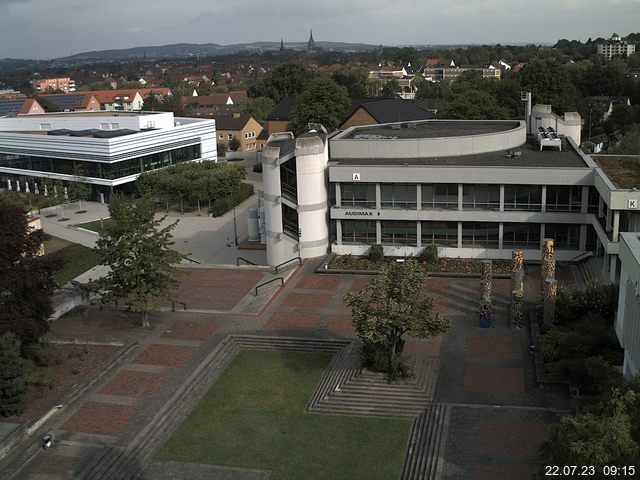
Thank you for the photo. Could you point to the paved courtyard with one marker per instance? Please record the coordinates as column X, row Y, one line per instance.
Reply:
column 498, row 416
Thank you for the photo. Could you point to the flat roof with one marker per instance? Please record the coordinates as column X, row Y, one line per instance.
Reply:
column 97, row 113
column 429, row 129
column 530, row 156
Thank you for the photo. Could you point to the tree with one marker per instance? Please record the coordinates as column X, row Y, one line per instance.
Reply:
column 12, row 387
column 259, row 108
column 322, row 101
column 472, row 105
column 630, row 144
column 391, row 304
column 26, row 281
column 139, row 254
column 288, row 79
column 80, row 188
column 595, row 438
column 390, row 88
column 152, row 103
column 549, row 83
column 354, row 79
column 234, row 144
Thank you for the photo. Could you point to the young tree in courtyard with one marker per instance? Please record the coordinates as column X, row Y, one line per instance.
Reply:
column 12, row 386
column 138, row 251
column 26, row 282
column 392, row 304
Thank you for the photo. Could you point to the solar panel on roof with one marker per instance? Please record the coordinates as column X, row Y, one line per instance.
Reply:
column 65, row 102
column 11, row 106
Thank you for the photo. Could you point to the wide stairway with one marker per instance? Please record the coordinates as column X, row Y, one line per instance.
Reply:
column 589, row 272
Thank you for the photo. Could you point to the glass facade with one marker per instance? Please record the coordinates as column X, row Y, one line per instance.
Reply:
column 521, row 235
column 443, row 234
column 358, row 195
column 399, row 195
column 444, row 196
column 565, row 236
column 523, row 197
column 564, row 198
column 289, row 180
column 481, row 197
column 290, row 221
column 398, row 232
column 109, row 171
column 356, row 232
column 480, row 234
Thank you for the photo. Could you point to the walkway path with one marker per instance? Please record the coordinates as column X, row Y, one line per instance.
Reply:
column 492, row 416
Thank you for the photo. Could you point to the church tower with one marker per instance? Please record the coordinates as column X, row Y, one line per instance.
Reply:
column 281, row 45
column 311, row 44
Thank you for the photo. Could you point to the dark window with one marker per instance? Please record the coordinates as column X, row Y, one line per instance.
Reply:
column 481, row 197
column 444, row 195
column 523, row 197
column 399, row 233
column 562, row 198
column 480, row 235
column 289, row 180
column 594, row 198
column 358, row 232
column 290, row 221
column 358, row 195
column 565, row 236
column 399, row 195
column 443, row 234
column 521, row 235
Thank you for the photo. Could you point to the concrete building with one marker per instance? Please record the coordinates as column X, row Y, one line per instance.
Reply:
column 627, row 323
column 615, row 47
column 111, row 149
column 476, row 189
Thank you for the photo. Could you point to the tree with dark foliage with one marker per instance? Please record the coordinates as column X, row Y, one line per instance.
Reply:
column 26, row 282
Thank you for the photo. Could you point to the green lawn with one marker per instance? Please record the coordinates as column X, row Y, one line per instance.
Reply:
column 96, row 226
column 77, row 258
column 254, row 417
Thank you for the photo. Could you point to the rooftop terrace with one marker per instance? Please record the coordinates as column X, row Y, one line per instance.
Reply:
column 431, row 129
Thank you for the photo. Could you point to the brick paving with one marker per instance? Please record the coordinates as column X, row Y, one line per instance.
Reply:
column 135, row 384
column 498, row 417
column 101, row 418
column 165, row 355
column 59, row 465
column 190, row 330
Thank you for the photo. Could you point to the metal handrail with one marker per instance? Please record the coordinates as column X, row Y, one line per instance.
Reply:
column 186, row 257
column 244, row 260
column 288, row 261
column 582, row 256
column 267, row 283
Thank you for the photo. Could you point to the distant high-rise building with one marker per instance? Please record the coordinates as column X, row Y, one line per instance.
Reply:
column 615, row 47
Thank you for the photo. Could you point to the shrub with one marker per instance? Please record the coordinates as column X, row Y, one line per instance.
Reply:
column 42, row 354
column 40, row 381
column 429, row 254
column 592, row 375
column 12, row 386
column 222, row 205
column 376, row 253
column 549, row 344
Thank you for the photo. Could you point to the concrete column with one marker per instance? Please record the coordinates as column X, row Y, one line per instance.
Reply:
column 608, row 222
column 502, row 198
column 419, row 234
column 338, row 195
column 460, row 195
column 584, row 205
column 459, row 234
column 583, row 237
column 419, row 196
column 612, row 268
column 339, row 231
column 378, row 197
column 616, row 226
column 500, row 235
column 544, row 199
column 542, row 234
column 378, row 232
column 600, row 206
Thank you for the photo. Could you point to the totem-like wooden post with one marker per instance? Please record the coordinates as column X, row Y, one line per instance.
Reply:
column 547, row 267
column 517, row 308
column 485, row 281
column 549, row 305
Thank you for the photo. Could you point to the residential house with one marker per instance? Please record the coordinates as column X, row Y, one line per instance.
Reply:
column 118, row 100
column 243, row 127
column 73, row 102
column 369, row 111
column 19, row 106
column 63, row 83
column 214, row 104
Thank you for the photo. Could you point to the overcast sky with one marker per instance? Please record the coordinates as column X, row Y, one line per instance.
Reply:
column 55, row 28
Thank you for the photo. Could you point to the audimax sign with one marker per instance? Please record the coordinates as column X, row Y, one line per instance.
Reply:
column 361, row 213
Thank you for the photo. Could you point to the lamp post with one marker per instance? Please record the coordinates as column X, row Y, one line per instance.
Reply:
column 235, row 227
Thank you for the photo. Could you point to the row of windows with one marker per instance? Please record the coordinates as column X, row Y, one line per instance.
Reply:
column 474, row 234
column 474, row 197
column 108, row 171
